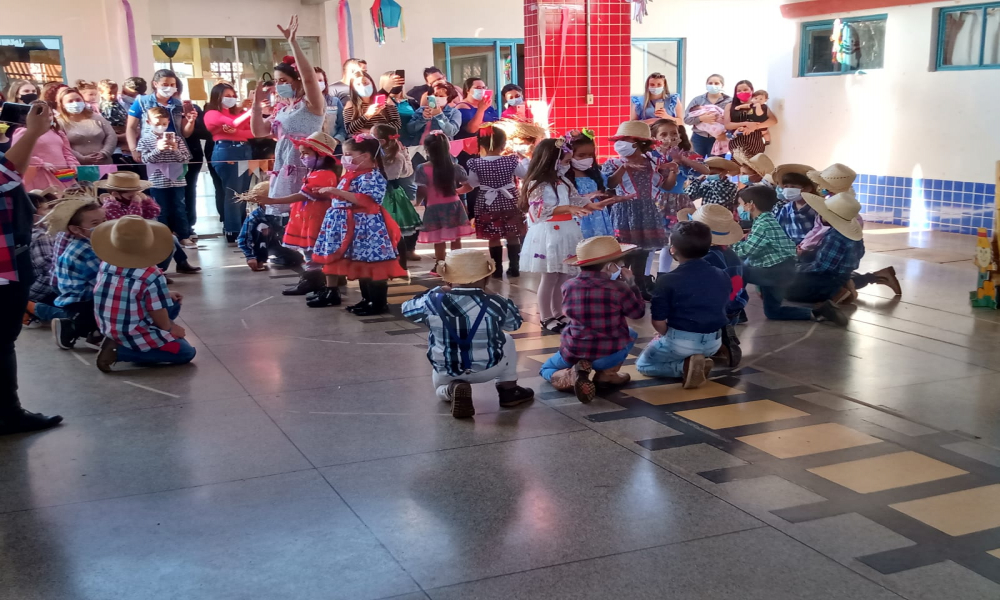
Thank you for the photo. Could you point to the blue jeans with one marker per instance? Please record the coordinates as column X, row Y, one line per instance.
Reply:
column 151, row 357
column 702, row 145
column 46, row 312
column 179, row 254
column 173, row 210
column 234, row 213
column 557, row 363
column 773, row 282
column 664, row 356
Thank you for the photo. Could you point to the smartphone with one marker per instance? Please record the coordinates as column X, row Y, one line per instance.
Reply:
column 432, row 101
column 401, row 73
column 11, row 112
column 488, row 96
column 170, row 136
column 188, row 107
column 380, row 100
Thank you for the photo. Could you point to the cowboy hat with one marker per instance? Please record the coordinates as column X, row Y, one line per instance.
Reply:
column 760, row 163
column 781, row 170
column 835, row 179
column 515, row 128
column 633, row 129
column 840, row 211
column 725, row 230
column 466, row 266
column 598, row 250
column 319, row 142
column 717, row 162
column 123, row 181
column 58, row 218
column 49, row 191
column 132, row 242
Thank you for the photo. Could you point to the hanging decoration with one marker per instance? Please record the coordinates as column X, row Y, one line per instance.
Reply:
column 345, row 31
column 387, row 14
column 133, row 48
column 639, row 9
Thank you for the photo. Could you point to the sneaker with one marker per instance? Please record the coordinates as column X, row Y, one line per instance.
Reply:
column 64, row 332
column 513, row 396
column 94, row 341
column 460, row 393
column 828, row 311
column 30, row 321
column 694, row 371
column 108, row 355
column 583, row 387
column 358, row 306
column 23, row 421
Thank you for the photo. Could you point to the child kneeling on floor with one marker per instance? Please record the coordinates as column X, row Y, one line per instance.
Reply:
column 597, row 301
column 484, row 353
column 688, row 309
column 75, row 271
column 131, row 300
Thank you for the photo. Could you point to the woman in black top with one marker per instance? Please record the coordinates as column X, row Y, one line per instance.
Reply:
column 747, row 120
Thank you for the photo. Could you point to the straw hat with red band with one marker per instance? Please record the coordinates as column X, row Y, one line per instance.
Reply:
column 598, row 250
column 320, row 142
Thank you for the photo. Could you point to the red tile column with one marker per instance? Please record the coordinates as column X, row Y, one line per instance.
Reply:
column 555, row 54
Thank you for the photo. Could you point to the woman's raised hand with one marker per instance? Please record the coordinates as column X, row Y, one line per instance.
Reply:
column 289, row 32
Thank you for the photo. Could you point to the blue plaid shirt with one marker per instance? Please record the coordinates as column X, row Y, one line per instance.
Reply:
column 460, row 307
column 76, row 272
column 795, row 221
column 836, row 254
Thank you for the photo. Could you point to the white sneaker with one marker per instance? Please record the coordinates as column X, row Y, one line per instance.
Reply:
column 442, row 393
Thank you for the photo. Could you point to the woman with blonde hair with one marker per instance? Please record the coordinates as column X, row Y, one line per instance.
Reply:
column 22, row 91
column 91, row 138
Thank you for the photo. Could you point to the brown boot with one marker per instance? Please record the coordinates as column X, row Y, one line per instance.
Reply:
column 694, row 371
column 846, row 295
column 611, row 378
column 887, row 277
column 582, row 385
column 564, row 380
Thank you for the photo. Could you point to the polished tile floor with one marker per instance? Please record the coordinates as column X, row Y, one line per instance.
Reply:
column 303, row 455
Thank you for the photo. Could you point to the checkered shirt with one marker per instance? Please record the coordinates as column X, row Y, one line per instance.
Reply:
column 41, row 263
column 159, row 161
column 58, row 247
column 767, row 244
column 598, row 308
column 76, row 272
column 9, row 179
column 796, row 222
column 836, row 254
column 123, row 302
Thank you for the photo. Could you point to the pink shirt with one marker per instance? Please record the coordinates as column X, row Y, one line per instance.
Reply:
column 51, row 149
column 215, row 119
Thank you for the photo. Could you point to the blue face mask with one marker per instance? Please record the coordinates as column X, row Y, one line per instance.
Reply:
column 745, row 215
column 711, row 178
column 745, row 179
column 285, row 90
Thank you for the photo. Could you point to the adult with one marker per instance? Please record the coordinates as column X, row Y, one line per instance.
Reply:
column 333, row 122
column 50, row 90
column 16, row 273
column 164, row 90
column 91, row 138
column 702, row 142
column 228, row 121
column 22, row 91
column 747, row 120
column 51, row 156
column 361, row 113
column 392, row 85
column 195, row 141
column 475, row 108
column 432, row 75
column 656, row 102
column 342, row 89
column 441, row 117
column 90, row 92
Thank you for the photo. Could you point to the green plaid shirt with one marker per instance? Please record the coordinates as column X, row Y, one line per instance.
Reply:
column 767, row 244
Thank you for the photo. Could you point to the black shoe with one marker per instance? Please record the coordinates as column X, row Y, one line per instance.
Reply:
column 359, row 306
column 496, row 253
column 187, row 269
column 327, row 297
column 828, row 311
column 743, row 317
column 370, row 310
column 231, row 238
column 24, row 421
column 514, row 396
column 64, row 333
column 460, row 393
column 310, row 281
column 514, row 256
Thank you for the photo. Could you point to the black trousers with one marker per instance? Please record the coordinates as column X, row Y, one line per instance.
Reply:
column 84, row 321
column 13, row 301
column 191, row 194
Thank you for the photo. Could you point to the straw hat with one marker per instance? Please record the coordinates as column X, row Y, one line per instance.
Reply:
column 132, row 242
column 760, row 163
column 58, row 218
column 725, row 230
column 515, row 128
column 633, row 129
column 781, row 170
column 835, row 179
column 52, row 190
column 320, row 142
column 598, row 250
column 466, row 266
column 123, row 181
column 717, row 162
column 840, row 211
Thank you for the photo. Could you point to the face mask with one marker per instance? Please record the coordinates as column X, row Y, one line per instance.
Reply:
column 582, row 164
column 713, row 89
column 656, row 90
column 522, row 149
column 745, row 215
column 792, row 194
column 711, row 178
column 562, row 169
column 28, row 98
column 396, row 90
column 285, row 90
column 165, row 91
column 349, row 163
column 309, row 161
column 229, row 102
column 743, row 96
column 745, row 179
column 158, row 129
column 363, row 89
column 515, row 101
column 617, row 273
column 478, row 93
column 322, row 85
column 624, row 149
column 75, row 108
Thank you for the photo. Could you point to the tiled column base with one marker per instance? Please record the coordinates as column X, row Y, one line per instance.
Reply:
column 938, row 204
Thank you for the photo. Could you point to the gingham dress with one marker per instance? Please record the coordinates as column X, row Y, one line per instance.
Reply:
column 497, row 214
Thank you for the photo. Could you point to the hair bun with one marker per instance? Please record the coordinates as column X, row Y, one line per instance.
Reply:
column 288, row 60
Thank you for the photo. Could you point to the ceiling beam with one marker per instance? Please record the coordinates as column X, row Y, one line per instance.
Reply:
column 812, row 8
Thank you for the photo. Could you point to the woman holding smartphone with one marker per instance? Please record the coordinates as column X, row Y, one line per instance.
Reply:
column 228, row 121
column 477, row 107
column 656, row 102
column 436, row 113
column 366, row 107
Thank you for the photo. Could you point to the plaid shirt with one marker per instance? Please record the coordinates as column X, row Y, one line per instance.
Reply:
column 9, row 179
column 76, row 272
column 41, row 264
column 62, row 240
column 836, row 254
column 598, row 308
column 123, row 301
column 767, row 244
column 164, row 168
column 796, row 222
column 460, row 307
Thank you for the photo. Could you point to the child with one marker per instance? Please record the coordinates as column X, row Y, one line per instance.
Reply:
column 497, row 215
column 522, row 137
column 165, row 156
column 716, row 188
column 42, row 294
column 715, row 130
column 585, row 175
column 682, row 166
column 485, row 352
column 135, row 309
column 399, row 173
column 439, row 182
column 688, row 309
column 598, row 303
column 795, row 217
column 258, row 239
column 753, row 169
column 759, row 101
column 769, row 261
column 358, row 238
column 76, row 271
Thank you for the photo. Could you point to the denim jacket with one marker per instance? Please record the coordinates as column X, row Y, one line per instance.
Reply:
column 174, row 105
column 449, row 121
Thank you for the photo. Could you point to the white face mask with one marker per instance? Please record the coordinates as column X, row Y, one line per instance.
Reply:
column 624, row 149
column 75, row 108
column 792, row 194
column 582, row 164
column 165, row 91
column 363, row 89
column 515, row 101
column 229, row 102
column 656, row 90
column 322, row 85
column 562, row 169
column 478, row 93
column 713, row 88
column 158, row 129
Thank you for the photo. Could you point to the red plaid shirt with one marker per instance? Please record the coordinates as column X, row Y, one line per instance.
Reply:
column 123, row 301
column 9, row 179
column 598, row 308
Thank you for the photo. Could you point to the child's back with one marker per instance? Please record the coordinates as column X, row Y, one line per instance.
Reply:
column 76, row 272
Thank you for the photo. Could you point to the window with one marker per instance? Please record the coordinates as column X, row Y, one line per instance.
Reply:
column 497, row 62
column 969, row 37
column 38, row 59
column 665, row 56
column 842, row 46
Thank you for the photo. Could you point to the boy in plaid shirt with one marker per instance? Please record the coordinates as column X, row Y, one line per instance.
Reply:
column 166, row 156
column 134, row 307
column 76, row 271
column 598, row 303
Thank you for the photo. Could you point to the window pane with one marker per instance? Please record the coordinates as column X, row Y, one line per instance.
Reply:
column 856, row 45
column 506, row 68
column 36, row 59
column 520, row 65
column 872, row 36
column 439, row 57
column 655, row 57
column 963, row 32
column 820, row 51
column 991, row 50
column 472, row 61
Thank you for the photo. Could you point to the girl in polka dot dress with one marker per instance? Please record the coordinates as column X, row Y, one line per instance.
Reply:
column 497, row 215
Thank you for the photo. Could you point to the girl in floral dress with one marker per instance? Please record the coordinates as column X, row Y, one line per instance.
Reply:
column 497, row 214
column 677, row 166
column 439, row 182
column 586, row 176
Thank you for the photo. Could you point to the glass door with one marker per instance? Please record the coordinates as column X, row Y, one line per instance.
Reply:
column 497, row 62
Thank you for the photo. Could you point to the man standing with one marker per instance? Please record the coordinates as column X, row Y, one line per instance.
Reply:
column 432, row 75
column 342, row 89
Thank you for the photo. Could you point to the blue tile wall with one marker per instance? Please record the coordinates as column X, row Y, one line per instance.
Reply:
column 952, row 206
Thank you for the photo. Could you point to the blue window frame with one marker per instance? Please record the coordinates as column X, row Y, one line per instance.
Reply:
column 658, row 55
column 865, row 34
column 495, row 61
column 969, row 37
column 36, row 58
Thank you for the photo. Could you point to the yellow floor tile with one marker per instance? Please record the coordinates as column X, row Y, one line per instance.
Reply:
column 529, row 327
column 995, row 553
column 957, row 513
column 744, row 413
column 399, row 299
column 537, row 343
column 634, row 373
column 887, row 472
column 673, row 393
column 812, row 439
column 407, row 289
